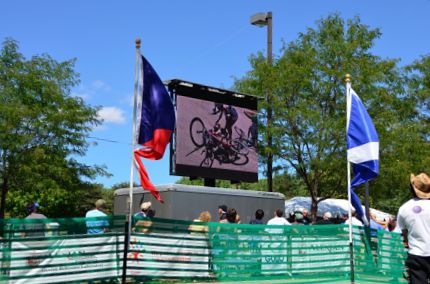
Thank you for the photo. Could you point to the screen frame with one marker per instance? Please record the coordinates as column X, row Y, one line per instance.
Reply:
column 178, row 87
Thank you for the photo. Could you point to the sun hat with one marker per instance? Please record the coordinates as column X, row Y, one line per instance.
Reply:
column 145, row 205
column 421, row 185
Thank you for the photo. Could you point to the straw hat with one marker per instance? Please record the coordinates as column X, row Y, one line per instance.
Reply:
column 421, row 185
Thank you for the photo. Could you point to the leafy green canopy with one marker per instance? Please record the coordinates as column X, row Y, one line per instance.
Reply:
column 308, row 100
column 42, row 128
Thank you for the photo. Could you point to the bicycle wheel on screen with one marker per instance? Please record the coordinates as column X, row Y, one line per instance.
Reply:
column 239, row 159
column 208, row 160
column 239, row 132
column 240, row 147
column 197, row 130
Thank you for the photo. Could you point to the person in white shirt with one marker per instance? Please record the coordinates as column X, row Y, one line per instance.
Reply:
column 414, row 221
column 354, row 219
column 278, row 219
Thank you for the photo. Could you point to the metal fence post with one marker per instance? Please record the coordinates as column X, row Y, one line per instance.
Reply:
column 126, row 243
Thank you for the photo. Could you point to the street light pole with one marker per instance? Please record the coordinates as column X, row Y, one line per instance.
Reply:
column 261, row 19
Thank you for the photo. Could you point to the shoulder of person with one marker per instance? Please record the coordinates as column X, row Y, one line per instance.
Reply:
column 406, row 205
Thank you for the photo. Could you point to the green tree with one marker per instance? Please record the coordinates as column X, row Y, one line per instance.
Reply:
column 307, row 81
column 42, row 128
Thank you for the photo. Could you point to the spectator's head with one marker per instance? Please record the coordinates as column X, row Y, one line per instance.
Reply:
column 291, row 217
column 205, row 216
column 327, row 216
column 237, row 219
column 259, row 214
column 298, row 216
column 222, row 209
column 279, row 212
column 420, row 186
column 345, row 216
column 231, row 215
column 353, row 213
column 100, row 204
column 32, row 207
column 150, row 213
column 392, row 223
column 145, row 206
column 305, row 212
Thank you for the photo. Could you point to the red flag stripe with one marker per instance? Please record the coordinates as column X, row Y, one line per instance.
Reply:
column 143, row 175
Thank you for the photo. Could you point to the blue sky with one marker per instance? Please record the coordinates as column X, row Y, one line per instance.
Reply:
column 208, row 42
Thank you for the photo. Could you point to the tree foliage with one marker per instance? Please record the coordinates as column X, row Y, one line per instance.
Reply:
column 308, row 99
column 42, row 129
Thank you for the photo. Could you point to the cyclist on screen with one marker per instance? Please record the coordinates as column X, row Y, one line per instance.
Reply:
column 252, row 131
column 230, row 115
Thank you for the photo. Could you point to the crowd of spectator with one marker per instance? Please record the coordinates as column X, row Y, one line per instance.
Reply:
column 414, row 223
column 300, row 216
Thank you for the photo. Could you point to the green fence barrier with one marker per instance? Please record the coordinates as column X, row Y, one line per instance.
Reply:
column 61, row 250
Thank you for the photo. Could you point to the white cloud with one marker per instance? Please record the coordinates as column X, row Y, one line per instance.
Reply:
column 88, row 92
column 111, row 115
column 100, row 85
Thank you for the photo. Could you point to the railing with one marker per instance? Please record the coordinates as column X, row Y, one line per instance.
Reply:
column 61, row 250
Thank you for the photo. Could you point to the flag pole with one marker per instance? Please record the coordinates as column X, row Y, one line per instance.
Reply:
column 366, row 204
column 133, row 142
column 128, row 221
column 351, row 245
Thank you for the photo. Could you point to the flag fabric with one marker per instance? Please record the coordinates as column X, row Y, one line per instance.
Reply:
column 362, row 146
column 355, row 202
column 155, row 121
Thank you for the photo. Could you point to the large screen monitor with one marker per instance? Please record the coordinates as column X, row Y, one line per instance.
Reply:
column 216, row 133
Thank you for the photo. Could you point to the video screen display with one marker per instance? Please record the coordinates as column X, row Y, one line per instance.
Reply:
column 215, row 140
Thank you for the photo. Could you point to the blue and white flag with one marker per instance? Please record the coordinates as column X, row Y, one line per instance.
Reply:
column 362, row 141
column 362, row 146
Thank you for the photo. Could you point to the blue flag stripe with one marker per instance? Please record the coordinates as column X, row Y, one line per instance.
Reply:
column 154, row 106
column 360, row 126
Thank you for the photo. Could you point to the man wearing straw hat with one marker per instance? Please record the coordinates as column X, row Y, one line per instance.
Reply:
column 414, row 221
